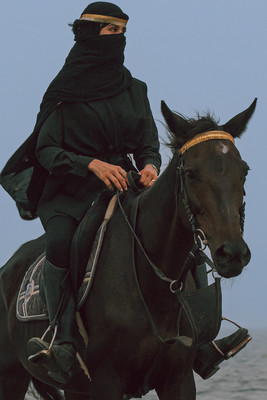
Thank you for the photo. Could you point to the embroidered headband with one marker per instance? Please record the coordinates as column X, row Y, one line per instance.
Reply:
column 203, row 137
column 105, row 19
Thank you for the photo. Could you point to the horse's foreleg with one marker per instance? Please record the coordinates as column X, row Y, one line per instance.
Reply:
column 177, row 387
column 173, row 378
column 105, row 385
column 14, row 379
column 99, row 392
column 14, row 383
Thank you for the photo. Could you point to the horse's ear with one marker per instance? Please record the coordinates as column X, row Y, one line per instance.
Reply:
column 177, row 124
column 237, row 125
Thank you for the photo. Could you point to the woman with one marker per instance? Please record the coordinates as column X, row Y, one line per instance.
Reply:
column 93, row 115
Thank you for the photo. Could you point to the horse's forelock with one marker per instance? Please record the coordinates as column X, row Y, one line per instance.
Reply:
column 197, row 125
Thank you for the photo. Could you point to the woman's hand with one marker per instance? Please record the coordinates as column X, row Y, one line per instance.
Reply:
column 148, row 175
column 111, row 175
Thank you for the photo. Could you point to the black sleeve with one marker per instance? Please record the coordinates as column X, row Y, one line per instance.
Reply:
column 148, row 150
column 51, row 154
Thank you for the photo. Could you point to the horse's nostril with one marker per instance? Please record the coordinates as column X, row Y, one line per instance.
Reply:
column 223, row 252
column 227, row 251
column 233, row 251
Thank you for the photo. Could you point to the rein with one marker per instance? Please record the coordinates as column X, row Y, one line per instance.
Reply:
column 197, row 248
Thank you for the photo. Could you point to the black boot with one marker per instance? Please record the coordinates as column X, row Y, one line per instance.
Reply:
column 210, row 355
column 58, row 356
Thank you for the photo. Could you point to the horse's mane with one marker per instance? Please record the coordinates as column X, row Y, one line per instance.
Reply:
column 194, row 126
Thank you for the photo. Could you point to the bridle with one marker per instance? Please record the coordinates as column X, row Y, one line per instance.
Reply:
column 200, row 240
column 199, row 235
column 203, row 137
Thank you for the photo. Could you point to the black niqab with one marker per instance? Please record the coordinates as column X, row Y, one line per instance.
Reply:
column 93, row 69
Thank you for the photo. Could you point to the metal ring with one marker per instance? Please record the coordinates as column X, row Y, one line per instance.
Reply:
column 171, row 286
column 199, row 234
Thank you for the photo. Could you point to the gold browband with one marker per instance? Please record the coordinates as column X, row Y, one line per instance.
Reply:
column 203, row 137
column 105, row 19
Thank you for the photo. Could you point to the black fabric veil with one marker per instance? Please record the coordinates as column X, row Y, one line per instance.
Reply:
column 94, row 67
column 93, row 70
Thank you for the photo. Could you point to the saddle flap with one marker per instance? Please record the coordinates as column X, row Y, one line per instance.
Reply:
column 30, row 305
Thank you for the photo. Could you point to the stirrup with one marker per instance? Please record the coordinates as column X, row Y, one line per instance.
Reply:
column 212, row 354
column 43, row 355
column 236, row 349
column 233, row 351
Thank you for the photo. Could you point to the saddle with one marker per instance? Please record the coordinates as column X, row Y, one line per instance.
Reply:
column 87, row 240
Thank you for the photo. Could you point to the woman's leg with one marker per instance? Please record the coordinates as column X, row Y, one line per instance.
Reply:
column 59, row 233
column 59, row 359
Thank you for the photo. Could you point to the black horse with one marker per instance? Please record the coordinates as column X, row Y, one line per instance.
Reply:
column 130, row 311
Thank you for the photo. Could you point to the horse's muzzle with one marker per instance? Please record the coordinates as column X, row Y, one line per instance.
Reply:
column 230, row 258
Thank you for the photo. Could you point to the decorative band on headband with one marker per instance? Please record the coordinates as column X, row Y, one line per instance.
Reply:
column 203, row 137
column 105, row 19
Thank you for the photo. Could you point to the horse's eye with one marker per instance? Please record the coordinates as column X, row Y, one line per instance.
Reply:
column 189, row 173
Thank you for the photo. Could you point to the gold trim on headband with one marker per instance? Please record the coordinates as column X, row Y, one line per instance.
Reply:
column 203, row 137
column 105, row 19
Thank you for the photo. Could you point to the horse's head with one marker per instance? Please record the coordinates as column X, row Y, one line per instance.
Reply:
column 214, row 176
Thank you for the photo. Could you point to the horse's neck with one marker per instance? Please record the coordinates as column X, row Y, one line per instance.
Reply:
column 160, row 224
column 167, row 243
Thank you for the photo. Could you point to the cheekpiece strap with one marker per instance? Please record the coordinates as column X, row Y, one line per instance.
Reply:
column 203, row 137
column 105, row 19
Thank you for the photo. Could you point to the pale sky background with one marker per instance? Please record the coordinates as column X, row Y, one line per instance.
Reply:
column 197, row 55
